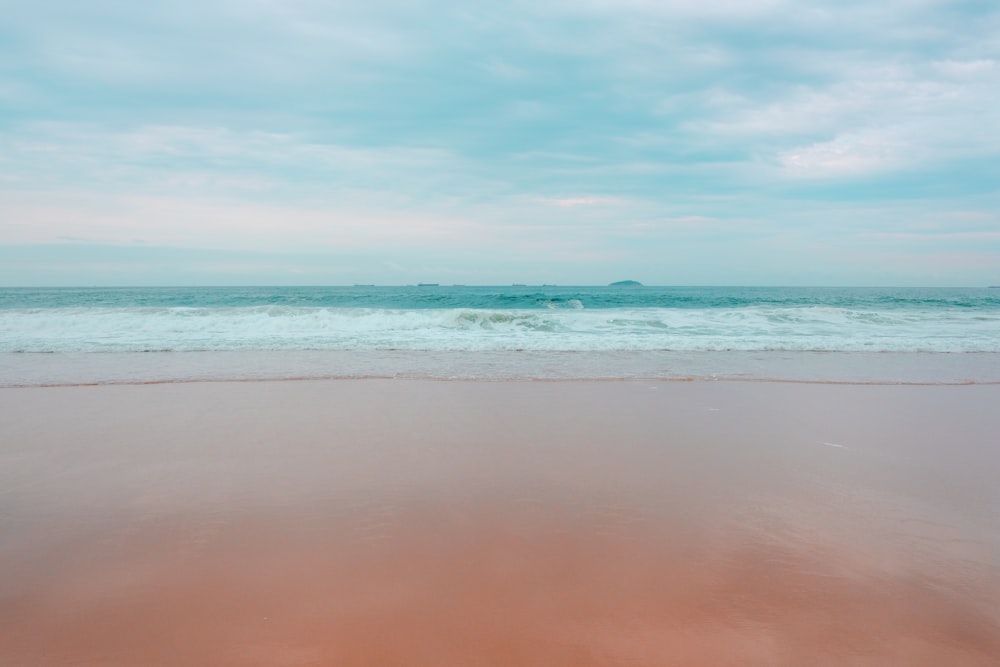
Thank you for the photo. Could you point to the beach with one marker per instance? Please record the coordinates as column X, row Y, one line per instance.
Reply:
column 557, row 522
column 525, row 334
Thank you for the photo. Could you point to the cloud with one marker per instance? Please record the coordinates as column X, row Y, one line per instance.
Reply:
column 966, row 68
column 503, row 70
column 574, row 202
column 847, row 155
column 713, row 10
column 599, row 128
column 226, row 223
column 215, row 161
column 937, row 237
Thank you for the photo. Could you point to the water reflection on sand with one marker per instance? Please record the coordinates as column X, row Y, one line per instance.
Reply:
column 457, row 523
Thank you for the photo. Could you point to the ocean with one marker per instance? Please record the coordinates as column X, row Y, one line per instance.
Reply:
column 132, row 335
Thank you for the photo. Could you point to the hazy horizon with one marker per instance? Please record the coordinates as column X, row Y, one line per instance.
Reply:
column 589, row 285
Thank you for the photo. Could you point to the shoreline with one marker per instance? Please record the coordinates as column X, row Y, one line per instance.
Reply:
column 105, row 368
column 377, row 378
column 425, row 522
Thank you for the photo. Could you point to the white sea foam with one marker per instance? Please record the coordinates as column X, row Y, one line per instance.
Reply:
column 569, row 327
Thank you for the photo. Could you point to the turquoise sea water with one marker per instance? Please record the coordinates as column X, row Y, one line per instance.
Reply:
column 57, row 335
column 504, row 297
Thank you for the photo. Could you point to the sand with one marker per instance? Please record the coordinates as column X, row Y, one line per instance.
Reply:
column 391, row 522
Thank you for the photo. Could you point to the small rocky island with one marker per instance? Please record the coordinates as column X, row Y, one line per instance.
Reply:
column 626, row 283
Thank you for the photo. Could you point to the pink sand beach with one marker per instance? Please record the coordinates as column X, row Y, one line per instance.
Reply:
column 395, row 522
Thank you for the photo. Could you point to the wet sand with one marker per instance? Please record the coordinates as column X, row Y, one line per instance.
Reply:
column 390, row 522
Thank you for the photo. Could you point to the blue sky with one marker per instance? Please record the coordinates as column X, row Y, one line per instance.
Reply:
column 392, row 142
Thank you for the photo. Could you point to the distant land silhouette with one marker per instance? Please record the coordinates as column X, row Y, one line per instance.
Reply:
column 626, row 283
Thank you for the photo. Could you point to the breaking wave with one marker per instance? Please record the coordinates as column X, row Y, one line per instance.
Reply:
column 563, row 326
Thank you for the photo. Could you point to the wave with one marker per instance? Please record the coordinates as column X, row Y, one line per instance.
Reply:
column 565, row 326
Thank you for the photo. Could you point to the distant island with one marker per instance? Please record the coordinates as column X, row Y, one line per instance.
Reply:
column 626, row 283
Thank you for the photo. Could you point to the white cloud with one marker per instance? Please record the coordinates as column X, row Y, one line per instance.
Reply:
column 877, row 99
column 722, row 10
column 574, row 202
column 34, row 217
column 216, row 160
column 503, row 70
column 966, row 68
column 937, row 237
column 847, row 155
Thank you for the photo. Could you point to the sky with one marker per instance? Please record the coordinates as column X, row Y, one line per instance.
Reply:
column 300, row 142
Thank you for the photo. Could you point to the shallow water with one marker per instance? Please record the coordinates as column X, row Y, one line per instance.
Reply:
column 27, row 370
